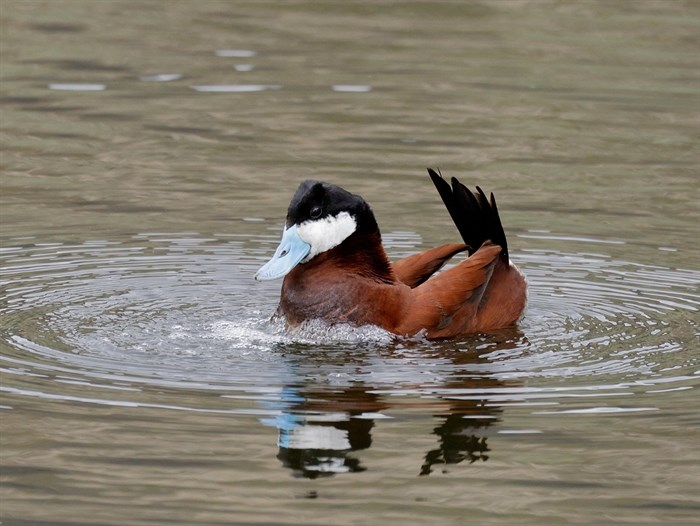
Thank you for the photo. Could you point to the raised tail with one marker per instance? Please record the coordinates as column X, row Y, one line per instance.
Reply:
column 475, row 216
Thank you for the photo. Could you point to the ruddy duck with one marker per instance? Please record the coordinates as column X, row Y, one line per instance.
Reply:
column 335, row 268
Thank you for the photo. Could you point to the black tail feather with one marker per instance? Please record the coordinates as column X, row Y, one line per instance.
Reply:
column 475, row 216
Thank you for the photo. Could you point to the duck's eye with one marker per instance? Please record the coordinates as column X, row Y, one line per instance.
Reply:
column 315, row 212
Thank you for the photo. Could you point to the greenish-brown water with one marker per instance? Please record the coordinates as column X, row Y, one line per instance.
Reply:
column 149, row 151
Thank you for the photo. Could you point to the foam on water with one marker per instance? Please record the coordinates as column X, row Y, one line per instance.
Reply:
column 265, row 335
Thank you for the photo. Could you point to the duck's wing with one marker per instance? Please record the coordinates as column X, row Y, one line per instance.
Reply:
column 475, row 216
column 417, row 268
column 447, row 305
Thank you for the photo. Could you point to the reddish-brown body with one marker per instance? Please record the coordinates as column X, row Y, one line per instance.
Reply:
column 355, row 283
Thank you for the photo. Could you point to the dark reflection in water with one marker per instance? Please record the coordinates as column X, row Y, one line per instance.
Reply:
column 458, row 441
column 321, row 428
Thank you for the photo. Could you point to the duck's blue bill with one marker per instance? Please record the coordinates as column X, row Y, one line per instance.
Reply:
column 289, row 253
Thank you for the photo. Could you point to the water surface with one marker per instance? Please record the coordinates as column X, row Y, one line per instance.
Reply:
column 149, row 151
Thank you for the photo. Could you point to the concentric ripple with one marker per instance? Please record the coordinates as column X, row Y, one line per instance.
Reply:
column 140, row 321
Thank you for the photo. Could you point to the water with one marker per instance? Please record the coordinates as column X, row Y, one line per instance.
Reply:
column 149, row 153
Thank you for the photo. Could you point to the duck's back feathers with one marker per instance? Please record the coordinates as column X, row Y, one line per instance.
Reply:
column 417, row 268
column 448, row 304
column 475, row 216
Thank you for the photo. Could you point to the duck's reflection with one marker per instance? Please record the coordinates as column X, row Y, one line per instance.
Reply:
column 318, row 431
column 320, row 428
column 459, row 439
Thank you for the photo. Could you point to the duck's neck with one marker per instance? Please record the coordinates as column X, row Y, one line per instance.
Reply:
column 361, row 254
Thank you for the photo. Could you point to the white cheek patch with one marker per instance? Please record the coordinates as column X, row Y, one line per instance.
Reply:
column 327, row 233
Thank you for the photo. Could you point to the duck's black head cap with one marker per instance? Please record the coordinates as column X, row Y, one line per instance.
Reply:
column 316, row 200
